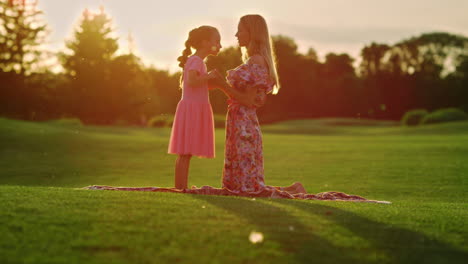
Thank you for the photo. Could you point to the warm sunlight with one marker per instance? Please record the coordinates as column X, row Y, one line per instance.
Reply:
column 265, row 131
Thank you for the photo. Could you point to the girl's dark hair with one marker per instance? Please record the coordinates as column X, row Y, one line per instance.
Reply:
column 195, row 38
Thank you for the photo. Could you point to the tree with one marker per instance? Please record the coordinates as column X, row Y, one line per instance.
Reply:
column 339, row 85
column 417, row 70
column 298, row 78
column 22, row 31
column 167, row 89
column 372, row 59
column 457, row 82
column 374, row 79
column 133, row 98
column 87, row 64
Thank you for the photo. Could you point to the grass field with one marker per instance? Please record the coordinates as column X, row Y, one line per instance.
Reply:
column 46, row 218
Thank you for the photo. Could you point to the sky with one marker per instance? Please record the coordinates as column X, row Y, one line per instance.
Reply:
column 160, row 28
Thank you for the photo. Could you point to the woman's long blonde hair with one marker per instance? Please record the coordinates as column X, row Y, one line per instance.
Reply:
column 260, row 43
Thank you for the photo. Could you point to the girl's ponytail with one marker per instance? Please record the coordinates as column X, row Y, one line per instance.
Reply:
column 185, row 53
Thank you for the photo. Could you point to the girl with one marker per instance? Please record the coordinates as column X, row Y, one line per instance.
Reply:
column 193, row 128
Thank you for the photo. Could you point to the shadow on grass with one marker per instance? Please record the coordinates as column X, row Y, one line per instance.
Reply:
column 275, row 223
column 400, row 244
column 385, row 243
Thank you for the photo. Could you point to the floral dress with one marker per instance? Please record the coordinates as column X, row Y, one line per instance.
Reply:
column 243, row 163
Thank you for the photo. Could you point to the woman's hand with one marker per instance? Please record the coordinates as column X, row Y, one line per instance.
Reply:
column 250, row 98
column 247, row 98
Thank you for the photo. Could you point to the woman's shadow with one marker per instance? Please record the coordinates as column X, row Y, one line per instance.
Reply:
column 393, row 244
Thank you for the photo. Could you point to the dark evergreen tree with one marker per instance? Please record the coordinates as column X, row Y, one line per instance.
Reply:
column 87, row 63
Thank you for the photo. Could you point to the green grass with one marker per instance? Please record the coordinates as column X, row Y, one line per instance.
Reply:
column 47, row 219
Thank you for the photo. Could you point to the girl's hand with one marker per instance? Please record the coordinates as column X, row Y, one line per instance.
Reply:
column 214, row 81
column 218, row 74
column 218, row 80
column 212, row 74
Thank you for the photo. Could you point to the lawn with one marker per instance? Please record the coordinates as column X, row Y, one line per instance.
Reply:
column 47, row 218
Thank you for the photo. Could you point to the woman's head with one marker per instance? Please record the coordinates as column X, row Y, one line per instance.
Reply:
column 252, row 31
column 206, row 38
column 252, row 34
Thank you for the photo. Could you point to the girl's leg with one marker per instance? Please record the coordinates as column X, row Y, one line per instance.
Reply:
column 181, row 171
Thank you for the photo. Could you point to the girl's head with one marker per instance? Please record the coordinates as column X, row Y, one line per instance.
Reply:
column 252, row 34
column 205, row 38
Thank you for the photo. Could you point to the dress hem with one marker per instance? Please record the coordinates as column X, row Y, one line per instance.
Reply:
column 197, row 155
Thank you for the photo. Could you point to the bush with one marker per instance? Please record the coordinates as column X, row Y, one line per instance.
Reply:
column 444, row 115
column 121, row 122
column 161, row 121
column 464, row 108
column 167, row 120
column 67, row 122
column 413, row 117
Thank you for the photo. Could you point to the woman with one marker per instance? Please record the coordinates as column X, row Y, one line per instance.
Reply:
column 247, row 87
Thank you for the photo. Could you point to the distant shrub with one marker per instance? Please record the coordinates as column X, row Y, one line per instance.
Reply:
column 465, row 108
column 444, row 115
column 167, row 120
column 67, row 122
column 121, row 122
column 413, row 117
column 161, row 121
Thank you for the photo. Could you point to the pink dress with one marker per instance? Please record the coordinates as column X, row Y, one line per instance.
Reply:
column 243, row 162
column 193, row 127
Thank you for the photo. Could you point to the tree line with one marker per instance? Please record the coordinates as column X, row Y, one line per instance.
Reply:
column 100, row 86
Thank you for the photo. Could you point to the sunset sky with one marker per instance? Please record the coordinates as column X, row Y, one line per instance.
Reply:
column 159, row 28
